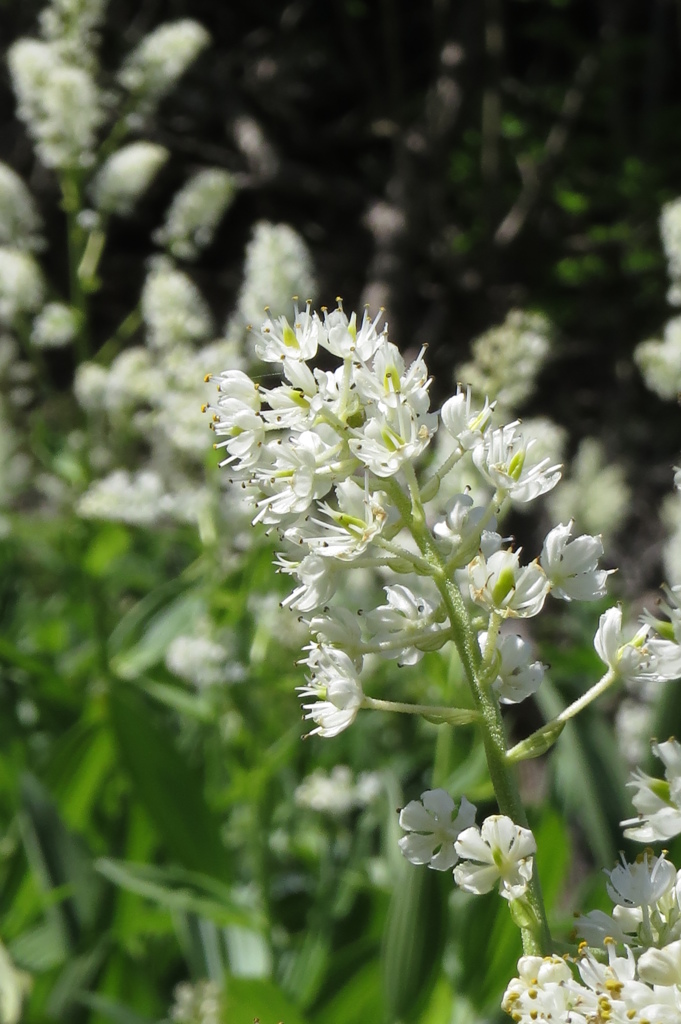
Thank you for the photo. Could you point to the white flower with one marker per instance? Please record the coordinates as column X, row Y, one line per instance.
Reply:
column 318, row 581
column 339, row 627
column 58, row 101
column 661, row 966
column 126, row 175
column 195, row 212
column 348, row 530
column 337, row 793
column 670, row 231
column 466, row 425
column 497, row 851
column 503, row 460
column 500, row 584
column 386, row 442
column 341, row 336
column 406, row 626
column 159, row 60
column 301, row 471
column 461, row 525
column 172, row 307
column 22, row 288
column 642, row 883
column 518, row 677
column 639, row 659
column 433, row 824
column 279, row 340
column 572, row 566
column 336, row 685
column 135, row 498
column 658, row 801
column 508, row 358
column 198, row 659
column 55, row 326
column 541, row 992
column 278, row 265
column 20, row 222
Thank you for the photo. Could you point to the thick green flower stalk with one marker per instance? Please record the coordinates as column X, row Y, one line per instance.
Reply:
column 335, row 462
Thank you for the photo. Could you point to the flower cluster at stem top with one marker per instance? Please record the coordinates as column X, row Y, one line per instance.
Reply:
column 333, row 460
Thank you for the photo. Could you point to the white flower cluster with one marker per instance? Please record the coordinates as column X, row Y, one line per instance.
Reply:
column 20, row 222
column 200, row 1003
column 548, row 989
column 22, row 287
column 278, row 265
column 199, row 658
column 155, row 392
column 631, row 970
column 59, row 102
column 658, row 801
column 154, row 67
column 648, row 656
column 195, row 213
column 508, row 358
column 125, row 176
column 72, row 24
column 670, row 231
column 444, row 837
column 660, row 361
column 337, row 793
column 327, row 458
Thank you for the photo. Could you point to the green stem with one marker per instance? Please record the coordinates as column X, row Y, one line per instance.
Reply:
column 455, row 716
column 535, row 940
column 533, row 742
column 76, row 240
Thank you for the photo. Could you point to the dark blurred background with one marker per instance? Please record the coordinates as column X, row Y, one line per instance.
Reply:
column 447, row 160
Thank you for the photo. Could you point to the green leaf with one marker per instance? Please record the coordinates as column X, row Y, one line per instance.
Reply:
column 111, row 1010
column 414, row 937
column 177, row 890
column 247, row 999
column 170, row 789
column 61, row 861
column 175, row 618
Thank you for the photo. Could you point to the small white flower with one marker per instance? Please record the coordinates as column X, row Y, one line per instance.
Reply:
column 159, row 60
column 466, row 425
column 337, row 793
column 22, row 288
column 343, row 339
column 20, row 222
column 572, row 566
column 518, row 677
column 279, row 340
column 277, row 266
column 318, row 581
column 172, row 306
column 406, row 626
column 195, row 212
column 658, row 801
column 499, row 851
column 500, row 584
column 55, row 325
column 503, row 460
column 639, row 659
column 661, row 966
column 336, row 685
column 642, row 883
column 433, row 824
column 126, row 175
column 461, row 526
column 349, row 529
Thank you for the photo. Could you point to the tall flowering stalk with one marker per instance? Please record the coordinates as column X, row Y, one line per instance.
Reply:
column 336, row 462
